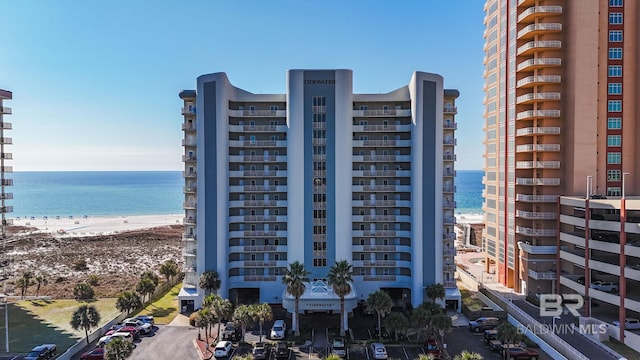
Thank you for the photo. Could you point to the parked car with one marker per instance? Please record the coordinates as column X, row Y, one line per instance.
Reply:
column 40, row 352
column 143, row 327
column 490, row 335
column 223, row 349
column 148, row 319
column 382, row 334
column 338, row 347
column 629, row 324
column 378, row 351
column 260, row 351
column 231, row 332
column 483, row 323
column 279, row 330
column 607, row 286
column 134, row 330
column 282, row 350
column 95, row 354
column 126, row 336
column 496, row 345
column 581, row 280
column 520, row 353
column 432, row 348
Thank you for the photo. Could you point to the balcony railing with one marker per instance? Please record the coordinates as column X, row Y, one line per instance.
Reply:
column 539, row 27
column 5, row 110
column 388, row 112
column 379, row 278
column 537, row 113
column 532, row 45
column 535, row 232
column 542, row 10
column 7, row 156
column 537, row 147
column 538, row 181
column 545, row 275
column 188, row 158
column 538, row 250
column 536, row 198
column 450, row 125
column 449, row 173
column 450, row 109
column 536, row 215
column 550, row 79
column 256, row 113
column 538, row 130
column 539, row 62
column 538, row 96
column 449, row 157
column 6, row 140
column 537, row 164
column 189, row 126
column 6, row 125
column 188, row 110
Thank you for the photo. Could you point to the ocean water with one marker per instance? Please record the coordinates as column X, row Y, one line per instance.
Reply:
column 109, row 193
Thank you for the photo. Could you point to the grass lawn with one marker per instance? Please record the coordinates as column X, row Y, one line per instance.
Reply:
column 36, row 322
column 165, row 308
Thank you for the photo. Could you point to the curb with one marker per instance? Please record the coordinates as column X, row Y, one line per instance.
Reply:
column 202, row 356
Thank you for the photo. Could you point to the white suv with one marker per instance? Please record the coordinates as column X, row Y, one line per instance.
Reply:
column 279, row 330
column 607, row 286
column 378, row 351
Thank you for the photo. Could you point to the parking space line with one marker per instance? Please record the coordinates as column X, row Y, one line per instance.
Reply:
column 405, row 353
column 367, row 351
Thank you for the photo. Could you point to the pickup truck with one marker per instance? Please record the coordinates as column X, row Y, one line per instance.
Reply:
column 520, row 353
column 40, row 352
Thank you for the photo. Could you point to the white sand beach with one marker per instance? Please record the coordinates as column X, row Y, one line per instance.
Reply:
column 469, row 218
column 97, row 225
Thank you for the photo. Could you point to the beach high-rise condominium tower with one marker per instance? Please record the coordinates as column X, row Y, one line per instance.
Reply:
column 5, row 180
column 318, row 175
column 561, row 112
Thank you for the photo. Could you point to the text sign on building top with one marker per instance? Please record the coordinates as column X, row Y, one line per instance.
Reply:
column 319, row 82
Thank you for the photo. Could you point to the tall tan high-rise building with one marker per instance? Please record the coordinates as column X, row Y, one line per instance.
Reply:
column 561, row 84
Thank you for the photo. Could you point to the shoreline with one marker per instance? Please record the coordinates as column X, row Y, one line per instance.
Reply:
column 96, row 225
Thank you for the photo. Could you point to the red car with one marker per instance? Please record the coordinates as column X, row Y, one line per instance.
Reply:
column 519, row 353
column 95, row 354
column 134, row 330
column 431, row 347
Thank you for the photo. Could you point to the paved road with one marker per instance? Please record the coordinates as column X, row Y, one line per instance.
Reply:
column 168, row 342
column 460, row 339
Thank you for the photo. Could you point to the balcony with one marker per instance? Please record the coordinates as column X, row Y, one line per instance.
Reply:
column 6, row 156
column 189, row 205
column 6, row 140
column 449, row 173
column 382, row 173
column 189, row 127
column 381, row 128
column 449, row 236
column 188, row 110
column 533, row 46
column 449, row 188
column 189, row 174
column 530, row 114
column 6, row 169
column 538, row 147
column 386, row 143
column 449, row 157
column 257, row 158
column 450, row 141
column 544, row 275
column 539, row 11
column 535, row 232
column 191, row 220
column 537, row 164
column 258, row 128
column 539, row 28
column 260, row 143
column 533, row 215
column 449, row 220
column 6, row 182
column 449, row 267
column 6, row 125
column 258, row 113
column 537, row 250
column 6, row 196
column 189, row 252
column 540, row 96
column 187, row 158
column 449, row 204
column 5, row 110
column 381, row 158
column 6, row 209
column 450, row 125
column 450, row 252
column 538, row 130
column 538, row 62
column 450, row 284
column 538, row 181
column 257, row 188
column 189, row 142
column 381, row 113
column 539, row 80
column 537, row 198
column 189, row 189
column 255, row 278
column 390, row 278
column 381, row 218
column 450, row 110
column 380, row 188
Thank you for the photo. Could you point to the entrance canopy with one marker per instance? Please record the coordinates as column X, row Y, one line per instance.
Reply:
column 453, row 294
column 319, row 296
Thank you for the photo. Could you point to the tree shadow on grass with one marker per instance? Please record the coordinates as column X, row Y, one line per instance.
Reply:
column 162, row 312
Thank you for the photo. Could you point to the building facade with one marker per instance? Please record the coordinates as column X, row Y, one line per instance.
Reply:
column 5, row 182
column 556, row 113
column 319, row 175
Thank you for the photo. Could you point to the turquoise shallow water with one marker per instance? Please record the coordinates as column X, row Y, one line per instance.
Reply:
column 94, row 193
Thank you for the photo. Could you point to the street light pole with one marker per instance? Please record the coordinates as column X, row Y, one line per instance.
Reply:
column 623, row 176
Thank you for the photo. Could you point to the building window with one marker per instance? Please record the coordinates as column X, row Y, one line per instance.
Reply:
column 614, row 123
column 614, row 175
column 614, row 140
column 614, row 158
column 615, row 18
column 615, row 35
column 615, row 88
column 614, row 191
column 615, row 105
column 615, row 53
column 615, row 3
column 615, row 70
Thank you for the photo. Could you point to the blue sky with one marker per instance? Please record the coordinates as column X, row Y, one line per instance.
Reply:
column 95, row 83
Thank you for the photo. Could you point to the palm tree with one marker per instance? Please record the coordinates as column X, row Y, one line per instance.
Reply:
column 40, row 280
column 204, row 319
column 83, row 291
column 210, row 281
column 145, row 287
column 243, row 316
column 395, row 322
column 440, row 323
column 294, row 280
column 169, row 269
column 118, row 349
column 420, row 318
column 151, row 276
column 263, row 313
column 128, row 301
column 85, row 317
column 435, row 291
column 467, row 355
column 223, row 308
column 340, row 278
column 24, row 282
column 508, row 334
column 381, row 303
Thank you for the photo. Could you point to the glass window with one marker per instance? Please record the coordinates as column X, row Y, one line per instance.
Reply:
column 615, row 70
column 614, row 175
column 615, row 18
column 614, row 123
column 614, row 140
column 615, row 3
column 615, row 53
column 614, row 158
column 614, row 191
column 615, row 35
column 615, row 105
column 615, row 88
